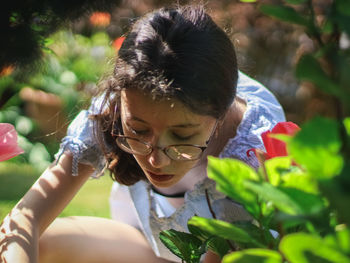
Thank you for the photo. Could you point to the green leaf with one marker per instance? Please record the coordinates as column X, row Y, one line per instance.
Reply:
column 288, row 200
column 317, row 147
column 336, row 190
column 295, row 2
column 309, row 69
column 284, row 13
column 275, row 168
column 248, row 1
column 184, row 245
column 327, row 27
column 261, row 235
column 343, row 22
column 306, row 248
column 253, row 255
column 229, row 175
column 346, row 123
column 300, row 180
column 198, row 232
column 343, row 237
column 343, row 7
column 225, row 230
column 218, row 245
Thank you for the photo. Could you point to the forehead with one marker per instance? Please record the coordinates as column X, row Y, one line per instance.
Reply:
column 136, row 104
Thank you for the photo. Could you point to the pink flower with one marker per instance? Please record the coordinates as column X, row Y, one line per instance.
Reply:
column 8, row 142
column 275, row 147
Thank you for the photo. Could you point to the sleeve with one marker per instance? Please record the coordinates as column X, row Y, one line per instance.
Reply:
column 263, row 112
column 81, row 142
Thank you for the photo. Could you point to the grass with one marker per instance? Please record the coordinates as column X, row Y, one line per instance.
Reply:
column 16, row 179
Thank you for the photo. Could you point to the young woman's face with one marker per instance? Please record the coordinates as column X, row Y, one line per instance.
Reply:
column 162, row 123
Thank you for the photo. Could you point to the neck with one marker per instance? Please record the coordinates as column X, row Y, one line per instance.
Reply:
column 227, row 127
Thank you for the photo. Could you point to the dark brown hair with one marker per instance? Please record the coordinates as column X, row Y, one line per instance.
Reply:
column 175, row 53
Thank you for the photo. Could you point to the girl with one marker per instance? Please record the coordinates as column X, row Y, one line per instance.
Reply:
column 172, row 101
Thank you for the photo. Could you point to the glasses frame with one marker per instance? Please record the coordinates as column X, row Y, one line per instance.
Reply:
column 151, row 148
column 163, row 149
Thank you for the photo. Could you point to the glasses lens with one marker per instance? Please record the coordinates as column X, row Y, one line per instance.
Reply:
column 133, row 146
column 184, row 152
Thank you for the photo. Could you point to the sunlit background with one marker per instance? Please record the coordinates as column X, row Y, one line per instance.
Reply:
column 41, row 102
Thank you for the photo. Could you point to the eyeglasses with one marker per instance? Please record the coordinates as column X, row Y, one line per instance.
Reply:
column 177, row 152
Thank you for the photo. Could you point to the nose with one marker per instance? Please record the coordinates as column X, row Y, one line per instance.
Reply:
column 158, row 159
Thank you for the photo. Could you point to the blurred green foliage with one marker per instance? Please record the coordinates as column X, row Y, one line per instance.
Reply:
column 71, row 68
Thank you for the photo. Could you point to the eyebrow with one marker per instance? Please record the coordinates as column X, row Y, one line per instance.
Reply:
column 183, row 125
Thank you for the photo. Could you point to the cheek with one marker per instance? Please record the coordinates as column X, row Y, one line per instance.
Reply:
column 141, row 160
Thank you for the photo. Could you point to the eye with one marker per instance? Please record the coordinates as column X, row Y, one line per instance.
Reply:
column 182, row 138
column 138, row 132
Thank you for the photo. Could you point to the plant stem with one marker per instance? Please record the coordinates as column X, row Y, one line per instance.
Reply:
column 214, row 216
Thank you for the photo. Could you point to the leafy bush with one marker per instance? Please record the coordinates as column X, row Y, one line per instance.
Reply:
column 299, row 203
column 67, row 75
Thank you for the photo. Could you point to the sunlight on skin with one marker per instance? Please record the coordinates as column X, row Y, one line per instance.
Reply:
column 37, row 209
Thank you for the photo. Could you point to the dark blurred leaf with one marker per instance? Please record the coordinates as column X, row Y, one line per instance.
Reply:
column 343, row 65
column 342, row 21
column 284, row 13
column 343, row 6
column 309, row 69
column 295, row 2
column 317, row 147
column 302, row 247
column 346, row 123
column 253, row 255
column 337, row 192
column 185, row 246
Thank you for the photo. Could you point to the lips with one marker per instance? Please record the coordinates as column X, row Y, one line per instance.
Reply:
column 160, row 177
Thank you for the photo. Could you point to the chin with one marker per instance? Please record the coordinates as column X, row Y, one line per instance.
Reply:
column 163, row 181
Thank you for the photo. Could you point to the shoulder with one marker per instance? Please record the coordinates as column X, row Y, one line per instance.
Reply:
column 257, row 95
column 263, row 112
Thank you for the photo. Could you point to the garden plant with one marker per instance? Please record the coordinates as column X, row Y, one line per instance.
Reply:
column 299, row 198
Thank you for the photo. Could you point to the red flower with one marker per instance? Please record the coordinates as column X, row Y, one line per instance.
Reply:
column 8, row 142
column 275, row 147
column 117, row 43
column 101, row 19
column 5, row 71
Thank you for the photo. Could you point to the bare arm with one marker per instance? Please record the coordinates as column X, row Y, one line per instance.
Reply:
column 44, row 201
